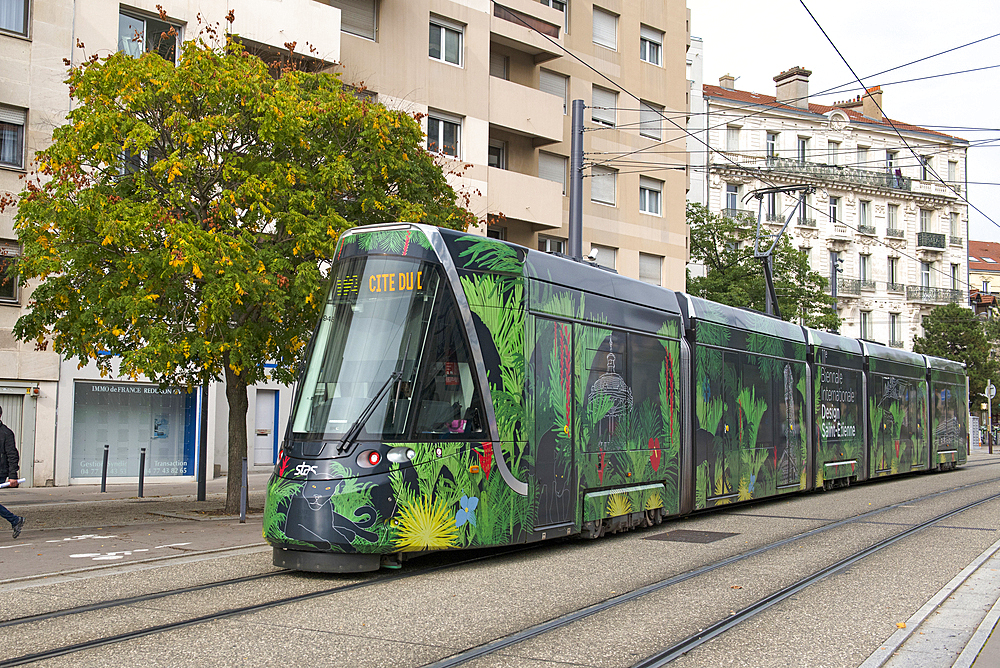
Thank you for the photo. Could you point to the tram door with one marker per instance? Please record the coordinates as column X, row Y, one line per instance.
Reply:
column 553, row 473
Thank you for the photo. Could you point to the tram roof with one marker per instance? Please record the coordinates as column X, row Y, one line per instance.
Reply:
column 879, row 351
column 751, row 321
column 834, row 341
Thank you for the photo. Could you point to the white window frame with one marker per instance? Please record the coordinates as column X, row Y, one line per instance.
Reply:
column 833, row 152
column 926, row 271
column 862, row 157
column 551, row 244
column 802, row 149
column 732, row 196
column 865, row 324
column 925, row 220
column 646, row 274
column 605, row 29
column 733, row 138
column 650, row 117
column 136, row 49
column 892, row 216
column 894, row 328
column 9, row 248
column 835, row 215
column 440, row 118
column 650, row 45
column 500, row 148
column 562, row 6
column 952, row 172
column 865, row 212
column 445, row 26
column 954, row 224
column 25, row 18
column 650, row 196
column 771, row 144
column 603, row 185
column 603, row 109
column 955, row 279
column 892, row 270
column 14, row 128
column 864, row 267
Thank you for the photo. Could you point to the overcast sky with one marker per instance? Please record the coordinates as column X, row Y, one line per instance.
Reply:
column 756, row 39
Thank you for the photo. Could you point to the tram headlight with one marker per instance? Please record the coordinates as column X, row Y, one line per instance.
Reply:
column 401, row 455
column 369, row 459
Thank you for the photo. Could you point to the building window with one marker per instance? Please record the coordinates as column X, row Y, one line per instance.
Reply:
column 771, row 144
column 771, row 204
column 865, row 213
column 12, row 122
column 955, row 277
column 807, row 253
column 802, row 149
column 552, row 167
column 986, row 286
column 925, row 220
column 862, row 158
column 497, row 154
column 554, row 84
column 561, row 6
column 926, row 172
column 650, row 45
column 498, row 65
column 953, row 219
column 10, row 251
column 650, row 195
column 925, row 274
column 952, row 171
column 496, row 232
column 551, row 244
column 650, row 116
column 137, row 36
column 892, row 217
column 603, row 106
column 835, row 211
column 14, row 16
column 444, row 134
column 732, row 138
column 605, row 28
column 866, row 324
column 833, row 152
column 650, row 268
column 732, row 198
column 602, row 186
column 606, row 255
column 446, row 41
column 357, row 17
column 892, row 273
column 865, row 271
column 890, row 160
column 894, row 330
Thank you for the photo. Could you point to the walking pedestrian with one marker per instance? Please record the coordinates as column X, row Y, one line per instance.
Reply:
column 9, row 460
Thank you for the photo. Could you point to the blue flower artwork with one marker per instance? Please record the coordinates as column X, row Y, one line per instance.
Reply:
column 467, row 511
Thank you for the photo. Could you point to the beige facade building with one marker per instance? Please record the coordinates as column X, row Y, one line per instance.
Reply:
column 494, row 82
column 887, row 204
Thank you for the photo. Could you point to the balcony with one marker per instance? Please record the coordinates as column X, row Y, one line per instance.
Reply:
column 510, row 23
column 928, row 295
column 526, row 111
column 525, row 198
column 895, row 287
column 893, row 343
column 848, row 287
column 868, row 285
column 735, row 213
column 956, row 241
column 894, row 233
column 838, row 174
column 805, row 222
column 841, row 232
column 930, row 241
column 867, row 229
column 933, row 188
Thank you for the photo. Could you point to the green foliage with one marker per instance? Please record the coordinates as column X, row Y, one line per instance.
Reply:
column 734, row 277
column 955, row 333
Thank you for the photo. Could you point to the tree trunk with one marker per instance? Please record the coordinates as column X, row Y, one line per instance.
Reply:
column 236, row 394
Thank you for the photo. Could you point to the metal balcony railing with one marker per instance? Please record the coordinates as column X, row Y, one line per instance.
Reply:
column 867, row 285
column 867, row 229
column 848, row 286
column 838, row 174
column 894, row 287
column 928, row 295
column 806, row 222
column 893, row 343
column 894, row 233
column 956, row 241
column 930, row 240
column 734, row 213
column 775, row 218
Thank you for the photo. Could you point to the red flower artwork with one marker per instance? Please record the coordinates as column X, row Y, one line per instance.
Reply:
column 654, row 457
column 282, row 464
column 406, row 244
column 600, row 468
column 486, row 459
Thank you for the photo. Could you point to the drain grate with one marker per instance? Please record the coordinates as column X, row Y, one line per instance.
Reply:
column 687, row 536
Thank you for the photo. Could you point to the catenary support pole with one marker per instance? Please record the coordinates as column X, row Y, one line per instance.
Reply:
column 576, row 182
column 142, row 468
column 243, row 494
column 104, row 469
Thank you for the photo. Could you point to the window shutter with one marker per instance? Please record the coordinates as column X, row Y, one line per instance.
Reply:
column 552, row 168
column 356, row 16
column 606, row 255
column 498, row 65
column 649, row 120
column 11, row 115
column 650, row 268
column 651, row 34
column 605, row 28
column 602, row 185
column 553, row 84
column 607, row 99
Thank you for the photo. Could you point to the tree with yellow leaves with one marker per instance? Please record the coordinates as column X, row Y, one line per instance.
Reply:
column 181, row 218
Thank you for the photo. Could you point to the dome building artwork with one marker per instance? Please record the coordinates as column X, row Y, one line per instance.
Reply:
column 610, row 387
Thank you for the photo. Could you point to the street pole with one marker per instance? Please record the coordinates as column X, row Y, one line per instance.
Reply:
column 576, row 182
column 991, row 392
column 203, row 446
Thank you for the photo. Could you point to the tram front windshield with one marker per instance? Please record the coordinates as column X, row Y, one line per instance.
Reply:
column 391, row 352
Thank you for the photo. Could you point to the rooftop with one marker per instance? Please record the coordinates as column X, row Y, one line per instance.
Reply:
column 984, row 256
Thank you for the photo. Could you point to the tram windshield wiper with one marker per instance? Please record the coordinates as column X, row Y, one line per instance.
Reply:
column 352, row 433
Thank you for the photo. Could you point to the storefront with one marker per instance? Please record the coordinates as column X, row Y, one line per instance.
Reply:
column 128, row 417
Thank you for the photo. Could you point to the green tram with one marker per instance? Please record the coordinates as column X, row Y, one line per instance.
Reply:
column 464, row 392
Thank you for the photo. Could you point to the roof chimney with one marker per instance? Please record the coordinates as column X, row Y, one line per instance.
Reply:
column 872, row 107
column 793, row 87
column 727, row 81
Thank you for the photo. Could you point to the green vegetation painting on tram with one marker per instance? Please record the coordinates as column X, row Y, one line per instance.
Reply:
column 839, row 418
column 949, row 420
column 750, row 409
column 897, row 406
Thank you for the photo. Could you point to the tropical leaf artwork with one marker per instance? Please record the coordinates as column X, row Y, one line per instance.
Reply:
column 425, row 524
column 701, row 486
column 491, row 255
column 279, row 493
column 390, row 241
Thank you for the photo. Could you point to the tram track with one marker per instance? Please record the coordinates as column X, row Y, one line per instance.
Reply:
column 482, row 650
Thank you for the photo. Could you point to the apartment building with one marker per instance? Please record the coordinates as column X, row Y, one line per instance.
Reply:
column 496, row 82
column 984, row 276
column 493, row 83
column 887, row 207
